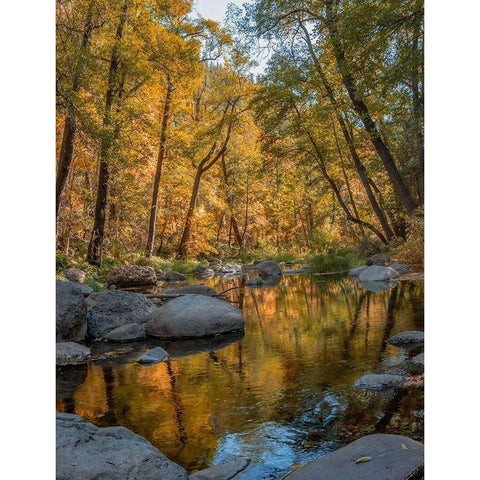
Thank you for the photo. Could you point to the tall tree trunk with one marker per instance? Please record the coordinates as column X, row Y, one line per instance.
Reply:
column 158, row 172
column 66, row 150
column 94, row 253
column 363, row 112
column 362, row 173
column 229, row 196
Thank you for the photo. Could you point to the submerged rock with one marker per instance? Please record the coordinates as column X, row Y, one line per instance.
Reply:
column 388, row 460
column 378, row 382
column 408, row 339
column 71, row 322
column 131, row 332
column 193, row 316
column 171, row 276
column 376, row 273
column 111, row 309
column 268, row 267
column 189, row 289
column 225, row 471
column 85, row 452
column 71, row 353
column 152, row 356
column 74, row 275
column 131, row 276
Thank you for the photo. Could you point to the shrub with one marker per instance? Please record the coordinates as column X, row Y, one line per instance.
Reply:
column 339, row 261
column 368, row 246
column 411, row 250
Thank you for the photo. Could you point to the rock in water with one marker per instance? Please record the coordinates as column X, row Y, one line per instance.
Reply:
column 74, row 275
column 419, row 359
column 408, row 339
column 71, row 353
column 225, row 471
column 70, row 312
column 355, row 272
column 268, row 267
column 198, row 289
column 389, row 460
column 379, row 286
column 85, row 452
column 379, row 259
column 194, row 316
column 376, row 273
column 131, row 332
column 131, row 276
column 230, row 268
column 400, row 267
column 171, row 276
column 111, row 309
column 379, row 382
column 152, row 356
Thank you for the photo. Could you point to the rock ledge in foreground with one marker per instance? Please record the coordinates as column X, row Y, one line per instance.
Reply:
column 389, row 460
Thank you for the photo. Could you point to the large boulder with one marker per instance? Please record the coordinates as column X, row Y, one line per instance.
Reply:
column 194, row 316
column 132, row 332
column 385, row 457
column 74, row 275
column 132, row 276
column 269, row 267
column 198, row 289
column 71, row 353
column 111, row 309
column 408, row 339
column 378, row 382
column 86, row 452
column 70, row 312
column 171, row 276
column 377, row 273
column 379, row 259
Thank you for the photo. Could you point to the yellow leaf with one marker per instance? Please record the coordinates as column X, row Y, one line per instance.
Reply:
column 363, row 459
column 404, row 446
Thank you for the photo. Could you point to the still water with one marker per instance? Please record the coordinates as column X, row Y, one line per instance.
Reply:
column 280, row 394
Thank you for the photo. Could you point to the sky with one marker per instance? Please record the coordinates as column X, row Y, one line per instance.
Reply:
column 214, row 9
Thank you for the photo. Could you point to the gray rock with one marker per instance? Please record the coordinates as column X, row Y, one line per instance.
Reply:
column 355, row 272
column 152, row 356
column 256, row 281
column 86, row 289
column 408, row 339
column 74, row 275
column 111, row 309
column 203, row 272
column 379, row 259
column 70, row 312
column 194, row 316
column 379, row 286
column 400, row 267
column 131, row 332
column 215, row 263
column 376, row 273
column 268, row 268
column 389, row 460
column 419, row 359
column 131, row 276
column 198, row 289
column 225, row 471
column 171, row 276
column 232, row 268
column 71, row 353
column 374, row 381
column 86, row 452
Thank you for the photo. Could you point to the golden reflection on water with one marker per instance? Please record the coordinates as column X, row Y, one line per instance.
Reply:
column 304, row 339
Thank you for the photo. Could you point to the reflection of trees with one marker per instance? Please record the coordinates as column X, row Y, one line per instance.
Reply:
column 389, row 321
column 390, row 409
column 177, row 404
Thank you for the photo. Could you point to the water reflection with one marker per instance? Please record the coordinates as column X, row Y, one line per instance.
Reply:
column 281, row 394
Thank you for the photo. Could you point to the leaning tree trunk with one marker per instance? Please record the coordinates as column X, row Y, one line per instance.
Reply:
column 66, row 150
column 94, row 253
column 362, row 173
column 363, row 112
column 158, row 172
